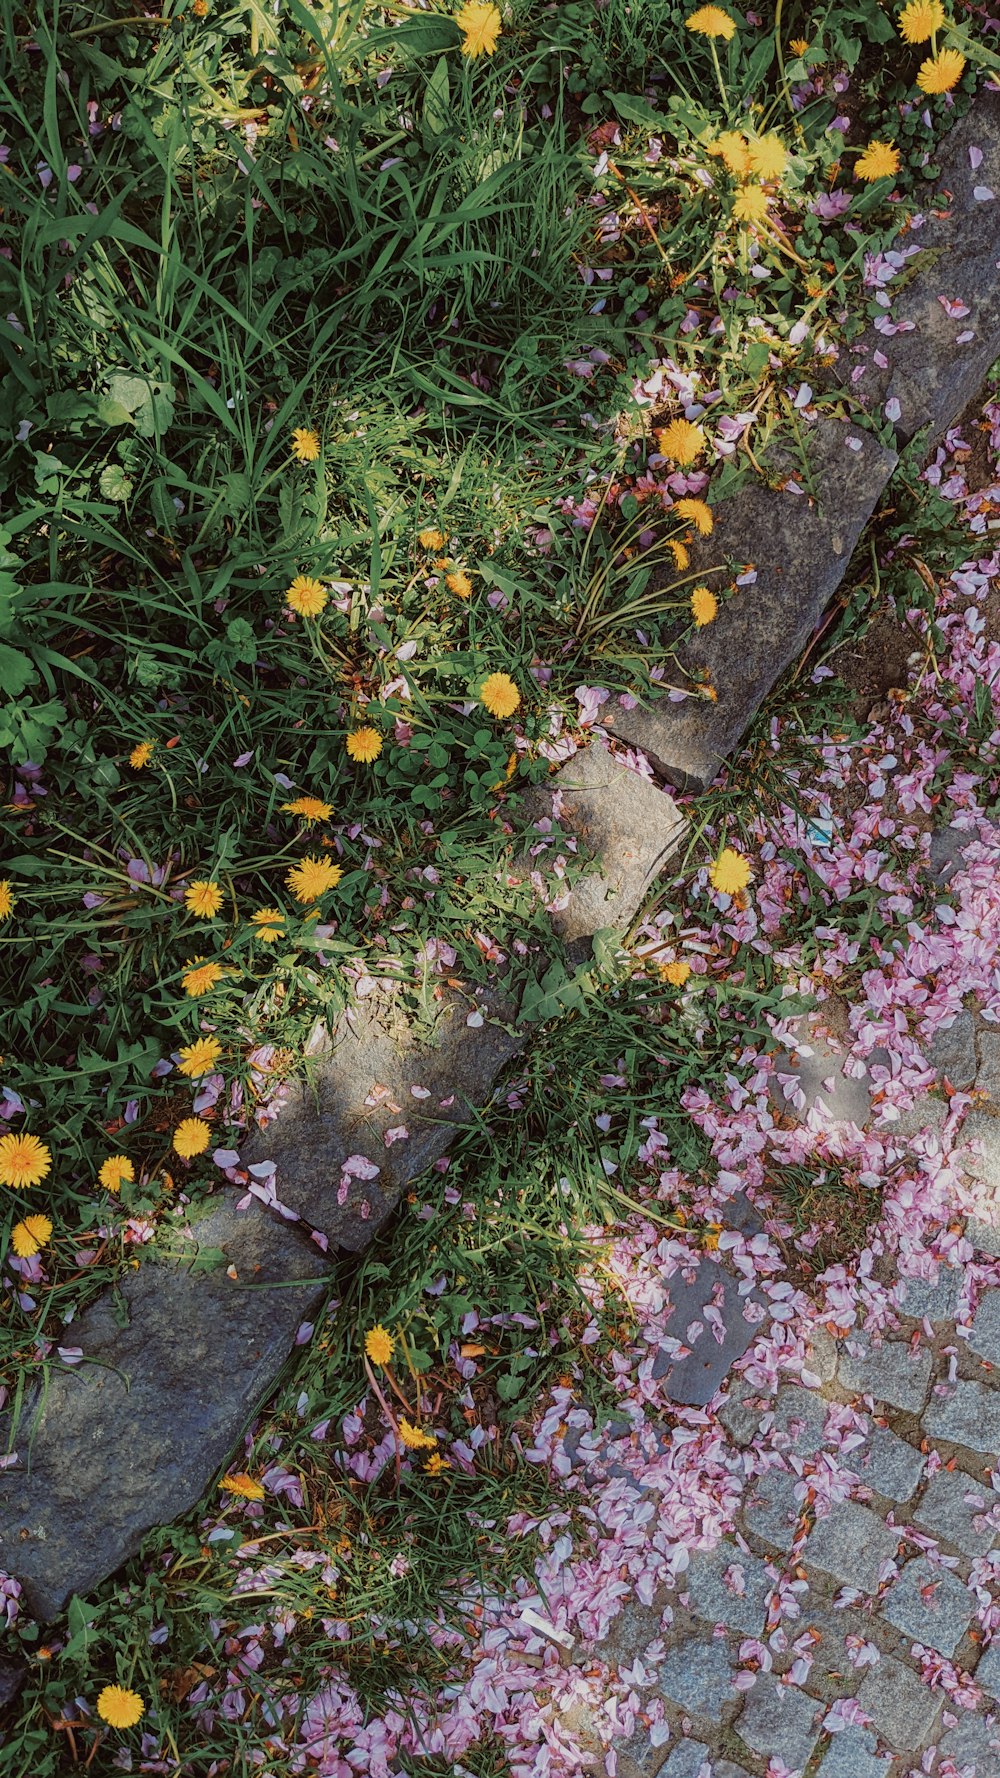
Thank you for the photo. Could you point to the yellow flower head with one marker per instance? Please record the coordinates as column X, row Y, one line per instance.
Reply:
column 309, row 807
column 436, row 1465
column 115, row 1171
column 920, row 20
column 269, row 923
column 413, row 1438
column 199, row 978
column 458, row 583
column 8, row 901
column 500, row 695
column 203, row 899
column 767, row 156
column 681, row 558
column 306, row 596
column 879, row 161
column 941, row 72
column 704, row 606
column 682, row 441
column 479, row 22
column 697, row 512
column 141, row 754
column 799, row 45
column 364, row 745
column 312, row 878
column 243, row 1486
column 711, row 21
column 200, row 1057
column 305, row 444
column 731, row 148
column 24, row 1161
column 676, row 973
column 120, row 1708
column 431, row 538
column 29, row 1236
column 192, row 1136
column 379, row 1344
column 730, row 872
column 750, row 204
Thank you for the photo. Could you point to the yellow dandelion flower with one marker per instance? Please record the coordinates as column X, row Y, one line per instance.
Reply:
column 413, row 1438
column 379, row 1344
column 458, row 583
column 312, row 878
column 711, row 21
column 799, row 45
column 479, row 22
column 431, row 538
column 681, row 440
column 920, row 20
column 364, row 745
column 306, row 596
column 243, row 1486
column 28, row 1237
column 704, row 606
column 941, row 72
column 203, row 899
column 8, row 900
column 681, row 558
column 191, row 1137
column 730, row 872
column 24, row 1161
column 879, row 161
column 200, row 9
column 731, row 148
column 199, row 978
column 676, row 973
column 120, row 1708
column 269, row 923
column 115, row 1171
column 697, row 512
column 436, row 1465
column 750, row 204
column 199, row 1058
column 305, row 444
column 500, row 695
column 141, row 754
column 768, row 156
column 309, row 807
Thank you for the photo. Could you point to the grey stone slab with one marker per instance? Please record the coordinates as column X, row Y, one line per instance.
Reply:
column 623, row 823
column 698, row 1675
column 984, row 1335
column 779, row 1719
column 936, row 1300
column 851, row 1543
column 968, row 1414
column 724, row 1768
column 945, row 1511
column 973, row 1745
column 891, row 1372
column 820, row 1079
column 129, row 1438
column 13, row 1673
column 853, row 1754
column 903, row 1709
column 988, row 1671
column 360, row 1089
column 984, row 1164
column 929, row 1604
column 739, row 1417
column 770, row 1509
column 985, row 1236
column 799, row 1418
column 695, row 1379
column 952, row 1051
column 686, row 1760
column 947, row 851
column 821, row 1355
column 888, row 1464
column 988, row 1078
column 728, row 1587
column 798, row 525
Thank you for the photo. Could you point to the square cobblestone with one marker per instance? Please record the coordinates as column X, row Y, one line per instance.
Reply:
column 937, row 1301
column 969, row 1414
column 984, row 1233
column 890, row 1372
column 740, row 1601
column 851, row 1754
column 724, row 1768
column 851, row 1543
column 770, row 1508
column 988, row 1672
column 698, row 1676
column 888, row 1464
column 929, row 1604
column 974, row 1747
column 739, row 1420
column 903, row 1709
column 799, row 1418
column 945, row 1512
column 984, row 1336
column 779, row 1719
column 686, row 1760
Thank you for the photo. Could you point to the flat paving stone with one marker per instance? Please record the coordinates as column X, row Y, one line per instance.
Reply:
column 724, row 1768
column 891, row 1372
column 799, row 1419
column 984, row 1164
column 851, row 1543
column 903, row 1709
column 969, row 1414
column 947, row 851
column 740, row 1419
column 936, row 1299
column 779, row 1719
column 888, row 1464
column 988, row 1671
column 728, row 1587
column 686, row 1760
column 814, row 1079
column 695, row 1379
column 770, row 1508
column 853, row 1754
column 974, row 1746
column 929, row 1604
column 945, row 1511
column 698, row 1676
column 952, row 1051
column 984, row 1335
column 988, row 1078
column 985, row 1234
column 821, row 1355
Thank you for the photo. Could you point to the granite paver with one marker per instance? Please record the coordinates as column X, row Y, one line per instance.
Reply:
column 729, row 1587
column 930, row 1604
column 968, row 1414
column 888, row 1464
column 853, row 1754
column 903, row 1709
column 988, row 1670
column 852, row 1544
column 770, row 1508
column 889, row 1372
column 698, row 1676
column 945, row 1511
column 780, row 1719
column 984, row 1335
